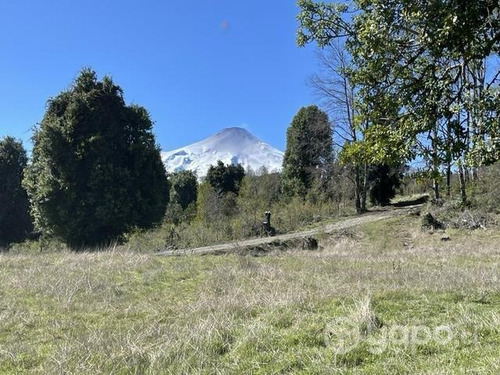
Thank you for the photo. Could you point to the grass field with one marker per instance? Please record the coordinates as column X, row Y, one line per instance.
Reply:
column 384, row 298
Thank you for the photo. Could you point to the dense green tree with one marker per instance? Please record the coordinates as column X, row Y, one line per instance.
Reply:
column 384, row 180
column 308, row 150
column 183, row 187
column 183, row 195
column 96, row 171
column 225, row 178
column 15, row 221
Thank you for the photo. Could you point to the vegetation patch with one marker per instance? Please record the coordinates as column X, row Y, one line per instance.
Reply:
column 420, row 307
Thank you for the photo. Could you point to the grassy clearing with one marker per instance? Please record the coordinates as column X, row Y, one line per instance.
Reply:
column 384, row 298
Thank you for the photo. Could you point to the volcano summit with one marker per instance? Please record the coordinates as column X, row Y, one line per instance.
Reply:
column 232, row 146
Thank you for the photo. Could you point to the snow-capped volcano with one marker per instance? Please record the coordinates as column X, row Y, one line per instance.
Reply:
column 232, row 146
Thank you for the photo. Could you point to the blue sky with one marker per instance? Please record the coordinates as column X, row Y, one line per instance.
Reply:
column 197, row 66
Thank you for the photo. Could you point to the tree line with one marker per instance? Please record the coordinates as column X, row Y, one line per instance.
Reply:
column 96, row 173
column 399, row 81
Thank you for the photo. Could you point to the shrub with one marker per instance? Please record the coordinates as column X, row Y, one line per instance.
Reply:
column 487, row 190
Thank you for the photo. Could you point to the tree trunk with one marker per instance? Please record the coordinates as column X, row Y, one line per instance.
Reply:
column 475, row 174
column 461, row 177
column 435, row 188
column 448, row 180
column 466, row 174
column 435, row 161
column 357, row 189
column 449, row 155
column 364, row 190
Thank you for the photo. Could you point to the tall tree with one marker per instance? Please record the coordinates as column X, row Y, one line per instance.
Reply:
column 15, row 221
column 416, row 66
column 308, row 150
column 337, row 93
column 96, row 170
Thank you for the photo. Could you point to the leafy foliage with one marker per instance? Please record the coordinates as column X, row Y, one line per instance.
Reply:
column 96, row 171
column 308, row 150
column 183, row 194
column 214, row 213
column 225, row 178
column 385, row 179
column 258, row 194
column 15, row 222
column 183, row 187
column 423, row 77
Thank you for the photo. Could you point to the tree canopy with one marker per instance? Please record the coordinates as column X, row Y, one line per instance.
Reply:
column 96, row 170
column 423, row 69
column 183, row 185
column 308, row 150
column 225, row 178
column 15, row 221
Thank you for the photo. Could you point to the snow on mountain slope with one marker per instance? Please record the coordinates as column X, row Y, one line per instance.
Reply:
column 232, row 146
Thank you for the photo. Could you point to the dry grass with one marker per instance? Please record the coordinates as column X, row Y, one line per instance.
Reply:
column 122, row 312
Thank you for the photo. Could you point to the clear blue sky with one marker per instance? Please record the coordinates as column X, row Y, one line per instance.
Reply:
column 197, row 66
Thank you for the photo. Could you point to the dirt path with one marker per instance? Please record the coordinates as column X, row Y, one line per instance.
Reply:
column 329, row 228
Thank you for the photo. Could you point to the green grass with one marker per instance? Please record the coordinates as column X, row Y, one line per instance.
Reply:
column 122, row 312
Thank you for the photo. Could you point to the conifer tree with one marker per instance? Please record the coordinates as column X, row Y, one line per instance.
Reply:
column 96, row 170
column 308, row 150
column 15, row 222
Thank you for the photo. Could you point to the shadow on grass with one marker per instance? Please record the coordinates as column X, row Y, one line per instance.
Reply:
column 421, row 200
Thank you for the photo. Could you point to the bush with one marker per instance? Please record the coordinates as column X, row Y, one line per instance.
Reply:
column 183, row 194
column 472, row 220
column 257, row 195
column 454, row 214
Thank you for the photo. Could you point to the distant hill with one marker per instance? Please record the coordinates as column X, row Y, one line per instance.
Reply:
column 232, row 146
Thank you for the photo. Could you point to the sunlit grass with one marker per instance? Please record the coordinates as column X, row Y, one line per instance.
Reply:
column 121, row 312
